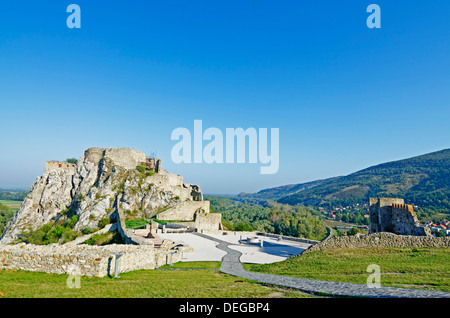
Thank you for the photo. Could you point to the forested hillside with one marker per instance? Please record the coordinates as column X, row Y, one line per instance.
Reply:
column 423, row 181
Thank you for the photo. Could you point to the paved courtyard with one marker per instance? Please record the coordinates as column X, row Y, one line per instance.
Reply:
column 205, row 249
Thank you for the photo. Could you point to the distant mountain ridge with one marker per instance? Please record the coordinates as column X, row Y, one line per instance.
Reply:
column 422, row 180
column 285, row 190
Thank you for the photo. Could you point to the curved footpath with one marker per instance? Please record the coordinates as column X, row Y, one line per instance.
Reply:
column 232, row 265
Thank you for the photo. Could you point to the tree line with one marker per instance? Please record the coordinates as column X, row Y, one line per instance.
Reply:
column 269, row 216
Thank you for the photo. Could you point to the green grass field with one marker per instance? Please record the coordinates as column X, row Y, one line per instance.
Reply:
column 205, row 282
column 427, row 268
column 11, row 204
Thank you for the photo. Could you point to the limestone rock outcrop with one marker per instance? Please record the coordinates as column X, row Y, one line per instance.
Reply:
column 113, row 183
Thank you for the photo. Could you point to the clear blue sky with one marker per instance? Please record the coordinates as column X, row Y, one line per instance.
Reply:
column 343, row 96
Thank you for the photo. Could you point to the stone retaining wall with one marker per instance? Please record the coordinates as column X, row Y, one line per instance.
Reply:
column 382, row 239
column 289, row 238
column 86, row 260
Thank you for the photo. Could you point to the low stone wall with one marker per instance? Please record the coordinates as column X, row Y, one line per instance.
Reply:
column 289, row 238
column 382, row 239
column 86, row 260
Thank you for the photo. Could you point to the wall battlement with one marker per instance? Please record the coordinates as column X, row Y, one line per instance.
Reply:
column 60, row 166
column 406, row 207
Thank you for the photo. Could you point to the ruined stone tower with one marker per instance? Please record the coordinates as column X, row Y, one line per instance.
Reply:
column 393, row 215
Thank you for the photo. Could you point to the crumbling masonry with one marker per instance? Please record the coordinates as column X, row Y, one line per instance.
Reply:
column 393, row 215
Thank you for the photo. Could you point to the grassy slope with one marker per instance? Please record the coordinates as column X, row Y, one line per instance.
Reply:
column 427, row 268
column 139, row 284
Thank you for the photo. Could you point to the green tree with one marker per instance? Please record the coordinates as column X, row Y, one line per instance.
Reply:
column 353, row 231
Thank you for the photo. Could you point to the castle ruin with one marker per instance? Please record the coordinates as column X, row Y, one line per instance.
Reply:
column 113, row 184
column 393, row 215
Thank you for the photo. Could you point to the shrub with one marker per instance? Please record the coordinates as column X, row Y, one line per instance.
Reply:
column 99, row 239
column 53, row 235
column 47, row 227
column 34, row 237
column 105, row 238
column 73, row 220
column 89, row 230
column 141, row 168
column 72, row 160
column 353, row 231
column 104, row 222
column 43, row 236
column 69, row 236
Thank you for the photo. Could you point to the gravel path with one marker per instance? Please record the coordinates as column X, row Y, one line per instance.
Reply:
column 232, row 265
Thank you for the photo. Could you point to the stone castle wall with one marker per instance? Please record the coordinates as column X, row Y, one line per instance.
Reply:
column 124, row 157
column 393, row 215
column 60, row 166
column 380, row 213
column 167, row 179
column 405, row 221
column 382, row 239
column 86, row 260
column 208, row 221
column 184, row 211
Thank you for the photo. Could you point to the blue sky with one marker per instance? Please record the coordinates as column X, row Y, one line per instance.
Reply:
column 343, row 96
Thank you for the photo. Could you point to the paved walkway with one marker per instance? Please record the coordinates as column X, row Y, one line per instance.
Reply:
column 232, row 265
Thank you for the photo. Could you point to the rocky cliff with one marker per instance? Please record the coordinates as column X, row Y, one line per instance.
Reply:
column 105, row 183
